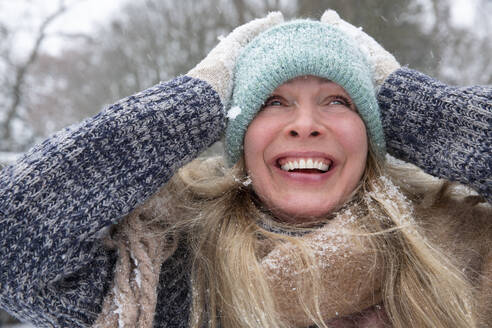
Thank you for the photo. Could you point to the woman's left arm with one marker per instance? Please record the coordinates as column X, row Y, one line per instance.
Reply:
column 446, row 131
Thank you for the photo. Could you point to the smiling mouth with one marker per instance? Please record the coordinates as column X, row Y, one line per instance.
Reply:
column 305, row 165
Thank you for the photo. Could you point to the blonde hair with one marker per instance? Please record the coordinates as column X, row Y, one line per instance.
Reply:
column 421, row 286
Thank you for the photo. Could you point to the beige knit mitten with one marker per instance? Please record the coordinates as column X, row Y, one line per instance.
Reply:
column 382, row 62
column 218, row 67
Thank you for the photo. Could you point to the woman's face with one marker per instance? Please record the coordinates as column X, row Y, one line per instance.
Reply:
column 305, row 151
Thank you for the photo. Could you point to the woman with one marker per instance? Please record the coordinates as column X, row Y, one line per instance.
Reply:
column 228, row 252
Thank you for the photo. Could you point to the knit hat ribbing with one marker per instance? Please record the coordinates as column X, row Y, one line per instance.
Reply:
column 286, row 51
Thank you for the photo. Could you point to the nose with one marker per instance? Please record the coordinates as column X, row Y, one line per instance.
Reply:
column 304, row 123
column 294, row 133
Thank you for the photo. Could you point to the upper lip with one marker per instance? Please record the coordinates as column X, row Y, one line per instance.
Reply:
column 302, row 154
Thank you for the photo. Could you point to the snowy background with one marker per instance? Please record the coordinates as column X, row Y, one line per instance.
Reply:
column 63, row 60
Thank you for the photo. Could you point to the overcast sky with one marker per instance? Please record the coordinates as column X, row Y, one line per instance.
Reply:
column 84, row 16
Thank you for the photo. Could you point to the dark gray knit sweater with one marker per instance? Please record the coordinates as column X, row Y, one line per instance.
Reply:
column 55, row 201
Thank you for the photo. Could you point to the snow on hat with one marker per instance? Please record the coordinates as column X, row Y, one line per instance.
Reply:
column 289, row 50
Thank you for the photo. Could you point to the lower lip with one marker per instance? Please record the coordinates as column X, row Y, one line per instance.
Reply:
column 305, row 177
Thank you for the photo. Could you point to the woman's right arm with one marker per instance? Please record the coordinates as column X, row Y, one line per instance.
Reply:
column 55, row 201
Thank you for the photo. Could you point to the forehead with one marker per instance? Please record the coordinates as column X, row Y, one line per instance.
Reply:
column 310, row 81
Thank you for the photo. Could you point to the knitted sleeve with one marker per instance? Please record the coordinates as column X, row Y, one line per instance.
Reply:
column 58, row 198
column 445, row 130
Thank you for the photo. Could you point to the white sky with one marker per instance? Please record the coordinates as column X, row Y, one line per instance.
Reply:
column 84, row 16
column 463, row 12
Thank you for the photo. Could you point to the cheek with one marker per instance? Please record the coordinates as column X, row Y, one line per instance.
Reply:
column 252, row 145
column 253, row 152
column 258, row 136
column 352, row 135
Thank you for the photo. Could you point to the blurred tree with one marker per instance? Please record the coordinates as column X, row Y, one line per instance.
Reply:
column 467, row 52
column 15, row 85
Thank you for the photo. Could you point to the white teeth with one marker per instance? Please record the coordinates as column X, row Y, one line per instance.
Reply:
column 305, row 164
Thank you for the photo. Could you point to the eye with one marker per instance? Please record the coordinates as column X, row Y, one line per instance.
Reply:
column 275, row 101
column 338, row 100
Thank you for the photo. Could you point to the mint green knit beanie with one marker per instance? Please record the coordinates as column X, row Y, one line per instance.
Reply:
column 289, row 50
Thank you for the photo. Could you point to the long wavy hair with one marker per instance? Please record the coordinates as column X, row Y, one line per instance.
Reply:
column 218, row 214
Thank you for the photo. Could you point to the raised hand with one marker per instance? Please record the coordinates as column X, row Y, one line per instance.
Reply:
column 382, row 62
column 217, row 68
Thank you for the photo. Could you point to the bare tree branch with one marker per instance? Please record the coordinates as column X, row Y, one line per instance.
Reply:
column 81, row 36
column 20, row 74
